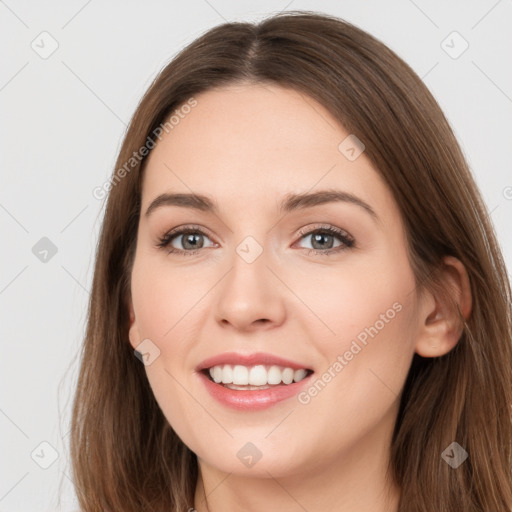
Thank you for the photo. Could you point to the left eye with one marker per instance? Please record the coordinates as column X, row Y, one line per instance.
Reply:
column 323, row 239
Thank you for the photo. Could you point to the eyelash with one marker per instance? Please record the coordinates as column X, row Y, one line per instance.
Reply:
column 347, row 241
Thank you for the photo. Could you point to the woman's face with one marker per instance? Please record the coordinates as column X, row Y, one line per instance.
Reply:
column 259, row 274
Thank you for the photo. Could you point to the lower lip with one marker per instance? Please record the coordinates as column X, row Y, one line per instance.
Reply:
column 252, row 400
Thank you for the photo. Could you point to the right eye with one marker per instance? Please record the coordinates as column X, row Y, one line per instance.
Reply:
column 191, row 239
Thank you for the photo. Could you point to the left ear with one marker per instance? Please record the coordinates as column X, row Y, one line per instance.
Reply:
column 440, row 328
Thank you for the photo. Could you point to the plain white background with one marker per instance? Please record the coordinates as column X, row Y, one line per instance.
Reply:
column 63, row 119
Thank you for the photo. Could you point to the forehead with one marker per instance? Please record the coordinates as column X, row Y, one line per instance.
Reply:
column 252, row 144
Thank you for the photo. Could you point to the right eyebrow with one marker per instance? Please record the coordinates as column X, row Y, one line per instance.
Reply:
column 196, row 201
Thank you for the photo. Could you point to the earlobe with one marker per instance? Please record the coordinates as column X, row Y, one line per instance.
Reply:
column 440, row 322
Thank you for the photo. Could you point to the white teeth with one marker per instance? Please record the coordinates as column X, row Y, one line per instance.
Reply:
column 274, row 375
column 288, row 375
column 226, row 373
column 298, row 375
column 258, row 375
column 216, row 374
column 240, row 375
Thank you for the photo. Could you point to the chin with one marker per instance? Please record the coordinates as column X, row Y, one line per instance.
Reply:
column 260, row 458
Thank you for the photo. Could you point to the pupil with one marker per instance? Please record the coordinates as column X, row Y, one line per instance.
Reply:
column 189, row 240
column 319, row 237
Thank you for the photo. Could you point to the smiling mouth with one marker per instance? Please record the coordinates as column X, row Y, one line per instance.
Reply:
column 257, row 377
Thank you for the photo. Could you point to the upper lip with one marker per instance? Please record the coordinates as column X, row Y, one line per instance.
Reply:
column 249, row 360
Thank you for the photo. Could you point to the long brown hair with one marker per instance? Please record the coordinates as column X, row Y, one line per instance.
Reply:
column 126, row 457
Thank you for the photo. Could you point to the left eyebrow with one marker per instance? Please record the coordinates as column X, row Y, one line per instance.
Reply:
column 290, row 202
column 308, row 200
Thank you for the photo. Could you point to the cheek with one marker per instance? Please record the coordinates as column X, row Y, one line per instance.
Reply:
column 166, row 307
column 164, row 298
column 367, row 339
column 362, row 295
column 365, row 367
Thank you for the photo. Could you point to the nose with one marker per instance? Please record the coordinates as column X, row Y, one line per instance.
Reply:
column 251, row 296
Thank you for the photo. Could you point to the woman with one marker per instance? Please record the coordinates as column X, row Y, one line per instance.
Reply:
column 267, row 376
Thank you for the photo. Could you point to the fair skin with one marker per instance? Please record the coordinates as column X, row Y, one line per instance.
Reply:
column 247, row 147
